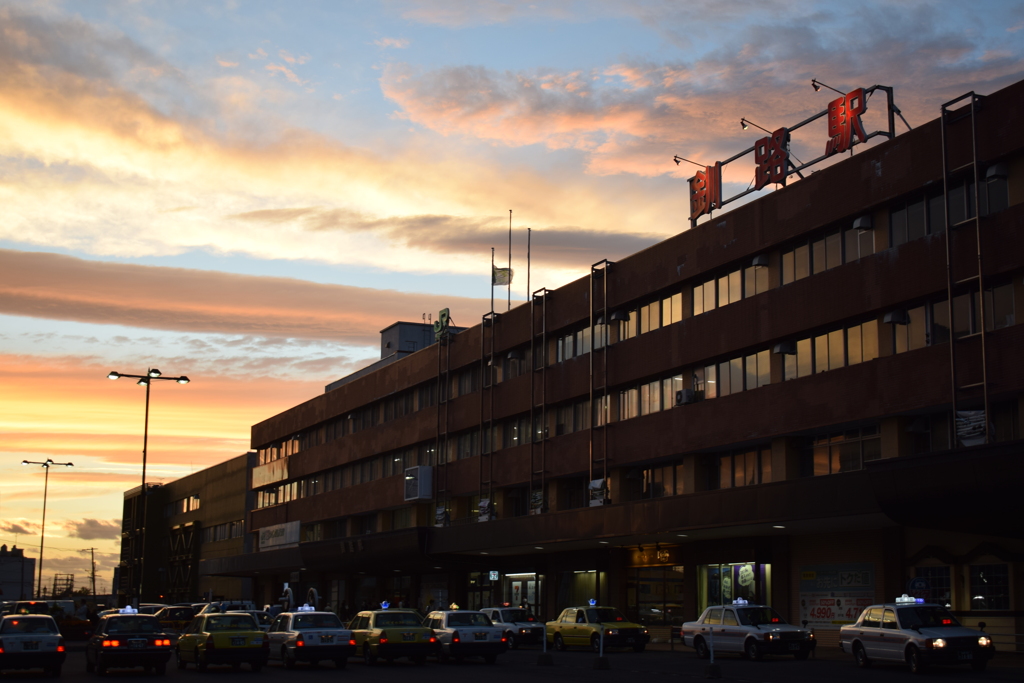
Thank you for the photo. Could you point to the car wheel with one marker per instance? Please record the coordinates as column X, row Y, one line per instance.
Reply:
column 179, row 660
column 751, row 650
column 200, row 661
column 341, row 662
column 702, row 648
column 595, row 643
column 559, row 643
column 512, row 644
column 860, row 656
column 639, row 647
column 289, row 661
column 368, row 655
column 979, row 664
column 491, row 659
column 914, row 660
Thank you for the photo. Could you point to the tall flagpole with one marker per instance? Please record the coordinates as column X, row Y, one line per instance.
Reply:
column 492, row 282
column 510, row 259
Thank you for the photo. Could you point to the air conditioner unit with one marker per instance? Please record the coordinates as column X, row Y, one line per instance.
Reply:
column 685, row 397
column 419, row 483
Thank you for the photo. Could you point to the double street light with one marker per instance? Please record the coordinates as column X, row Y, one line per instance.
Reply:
column 146, row 380
column 42, row 531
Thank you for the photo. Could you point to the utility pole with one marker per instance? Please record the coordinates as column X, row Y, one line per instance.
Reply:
column 92, row 574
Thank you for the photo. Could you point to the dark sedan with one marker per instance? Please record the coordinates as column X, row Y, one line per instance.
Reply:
column 127, row 640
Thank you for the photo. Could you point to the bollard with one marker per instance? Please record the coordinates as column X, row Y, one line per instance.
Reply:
column 601, row 663
column 712, row 670
column 544, row 658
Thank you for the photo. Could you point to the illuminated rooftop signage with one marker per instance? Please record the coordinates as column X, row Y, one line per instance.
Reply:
column 773, row 162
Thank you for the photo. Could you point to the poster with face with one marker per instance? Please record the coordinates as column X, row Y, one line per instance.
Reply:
column 746, row 576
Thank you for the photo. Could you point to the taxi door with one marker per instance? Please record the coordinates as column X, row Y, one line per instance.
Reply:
column 277, row 635
column 732, row 634
column 360, row 627
column 870, row 633
column 893, row 640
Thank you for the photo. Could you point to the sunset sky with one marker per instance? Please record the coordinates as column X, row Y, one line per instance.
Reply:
column 248, row 192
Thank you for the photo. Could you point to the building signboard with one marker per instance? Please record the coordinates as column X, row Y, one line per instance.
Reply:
column 832, row 595
column 280, row 536
column 773, row 162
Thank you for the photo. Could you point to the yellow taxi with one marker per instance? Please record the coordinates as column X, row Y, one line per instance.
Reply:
column 233, row 639
column 391, row 633
column 583, row 627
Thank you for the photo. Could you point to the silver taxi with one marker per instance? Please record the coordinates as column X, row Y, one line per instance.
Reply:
column 521, row 627
column 751, row 630
column 466, row 633
column 916, row 633
column 31, row 641
column 310, row 636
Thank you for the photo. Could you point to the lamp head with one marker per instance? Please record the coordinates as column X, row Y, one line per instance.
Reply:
column 153, row 373
column 69, row 464
column 743, row 123
column 144, row 382
column 814, row 84
column 677, row 160
column 24, row 462
column 113, row 374
column 183, row 380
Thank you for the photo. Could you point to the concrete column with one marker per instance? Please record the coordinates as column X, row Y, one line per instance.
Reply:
column 785, row 459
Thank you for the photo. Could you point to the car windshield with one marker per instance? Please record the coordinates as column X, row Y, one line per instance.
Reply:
column 928, row 617
column 29, row 625
column 603, row 614
column 231, row 622
column 133, row 625
column 397, row 619
column 317, row 621
column 32, row 608
column 468, row 619
column 751, row 616
column 516, row 615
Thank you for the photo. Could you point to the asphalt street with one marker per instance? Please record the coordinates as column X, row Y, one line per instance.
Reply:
column 517, row 666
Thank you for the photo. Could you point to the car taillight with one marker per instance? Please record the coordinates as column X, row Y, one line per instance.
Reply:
column 383, row 637
column 1, row 647
column 352, row 641
column 300, row 643
column 209, row 643
column 504, row 639
column 161, row 642
column 455, row 637
column 60, row 645
column 111, row 643
column 433, row 639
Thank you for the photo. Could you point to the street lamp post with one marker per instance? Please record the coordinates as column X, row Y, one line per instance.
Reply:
column 145, row 381
column 42, row 531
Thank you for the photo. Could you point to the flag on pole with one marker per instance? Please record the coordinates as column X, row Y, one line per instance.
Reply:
column 501, row 277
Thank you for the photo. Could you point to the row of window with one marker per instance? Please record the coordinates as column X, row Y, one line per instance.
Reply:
column 182, row 505
column 223, row 532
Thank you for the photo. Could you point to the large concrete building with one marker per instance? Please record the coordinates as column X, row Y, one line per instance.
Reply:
column 760, row 406
column 17, row 574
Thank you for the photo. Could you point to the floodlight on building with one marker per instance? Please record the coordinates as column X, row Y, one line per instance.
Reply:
column 746, row 123
column 678, row 158
column 817, row 85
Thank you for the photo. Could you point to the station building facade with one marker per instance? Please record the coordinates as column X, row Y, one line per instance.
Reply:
column 760, row 406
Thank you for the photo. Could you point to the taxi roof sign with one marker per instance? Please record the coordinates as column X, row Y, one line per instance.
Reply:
column 592, row 602
column 128, row 610
column 306, row 608
column 907, row 600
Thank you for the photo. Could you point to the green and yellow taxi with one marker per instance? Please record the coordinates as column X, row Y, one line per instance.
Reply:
column 233, row 639
column 391, row 633
column 584, row 627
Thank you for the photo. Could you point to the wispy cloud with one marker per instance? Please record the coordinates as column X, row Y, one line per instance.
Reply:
column 397, row 43
column 226, row 64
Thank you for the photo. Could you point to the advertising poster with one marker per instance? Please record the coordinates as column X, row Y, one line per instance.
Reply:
column 832, row 595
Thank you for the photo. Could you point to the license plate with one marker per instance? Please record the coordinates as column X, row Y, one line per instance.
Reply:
column 794, row 646
column 966, row 654
column 480, row 636
column 326, row 639
column 237, row 642
column 136, row 644
column 31, row 645
column 408, row 636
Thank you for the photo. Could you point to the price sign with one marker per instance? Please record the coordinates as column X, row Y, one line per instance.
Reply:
column 834, row 595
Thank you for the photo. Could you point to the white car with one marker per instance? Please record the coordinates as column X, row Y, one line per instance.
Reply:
column 521, row 627
column 916, row 633
column 466, row 633
column 31, row 641
column 752, row 630
column 310, row 636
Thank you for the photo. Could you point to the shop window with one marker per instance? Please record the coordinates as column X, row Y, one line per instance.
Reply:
column 990, row 587
column 720, row 584
column 836, row 452
column 655, row 595
column 939, row 585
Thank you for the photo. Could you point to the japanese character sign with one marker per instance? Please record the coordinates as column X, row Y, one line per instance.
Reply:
column 844, row 121
column 706, row 191
column 772, row 157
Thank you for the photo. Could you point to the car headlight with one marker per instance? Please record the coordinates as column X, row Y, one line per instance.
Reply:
column 773, row 636
column 984, row 641
column 611, row 632
column 937, row 643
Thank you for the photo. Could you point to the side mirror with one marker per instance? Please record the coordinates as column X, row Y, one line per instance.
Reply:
column 981, row 625
column 916, row 627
